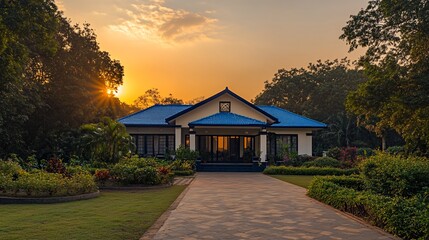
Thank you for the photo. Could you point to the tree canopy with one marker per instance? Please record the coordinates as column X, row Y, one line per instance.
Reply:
column 396, row 63
column 152, row 97
column 319, row 92
column 54, row 77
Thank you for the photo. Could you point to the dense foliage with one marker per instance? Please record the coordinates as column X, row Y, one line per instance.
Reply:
column 395, row 35
column 392, row 192
column 54, row 78
column 145, row 171
column 105, row 142
column 396, row 176
column 14, row 181
column 283, row 170
column 323, row 162
column 319, row 92
column 405, row 217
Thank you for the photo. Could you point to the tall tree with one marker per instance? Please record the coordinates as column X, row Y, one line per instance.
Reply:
column 27, row 34
column 396, row 63
column 53, row 77
column 319, row 92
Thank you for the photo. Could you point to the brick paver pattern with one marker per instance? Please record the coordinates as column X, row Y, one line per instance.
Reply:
column 255, row 206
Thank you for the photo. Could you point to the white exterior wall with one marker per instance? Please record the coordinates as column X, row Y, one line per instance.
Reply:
column 305, row 143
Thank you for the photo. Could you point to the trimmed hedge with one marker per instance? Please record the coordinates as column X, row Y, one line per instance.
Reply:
column 283, row 170
column 406, row 217
column 394, row 175
column 323, row 162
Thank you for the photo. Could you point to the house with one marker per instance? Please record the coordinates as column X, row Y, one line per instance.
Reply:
column 224, row 129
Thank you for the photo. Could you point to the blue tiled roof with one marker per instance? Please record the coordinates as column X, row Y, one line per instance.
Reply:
column 227, row 119
column 154, row 115
column 157, row 115
column 290, row 119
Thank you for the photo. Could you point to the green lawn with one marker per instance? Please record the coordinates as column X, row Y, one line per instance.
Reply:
column 300, row 180
column 113, row 215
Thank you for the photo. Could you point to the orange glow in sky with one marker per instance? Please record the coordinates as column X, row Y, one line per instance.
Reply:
column 196, row 48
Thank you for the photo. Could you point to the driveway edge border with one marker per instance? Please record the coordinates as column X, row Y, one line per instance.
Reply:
column 346, row 214
column 153, row 230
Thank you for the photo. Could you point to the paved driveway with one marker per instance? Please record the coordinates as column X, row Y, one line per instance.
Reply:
column 255, row 206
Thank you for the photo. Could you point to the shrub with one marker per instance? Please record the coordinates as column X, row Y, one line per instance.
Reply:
column 10, row 168
column 56, row 165
column 334, row 152
column 365, row 152
column 136, row 170
column 102, row 175
column 44, row 184
column 283, row 170
column 323, row 162
column 348, row 157
column 73, row 170
column 395, row 150
column 395, row 175
column 299, row 160
column 80, row 183
column 184, row 153
column 406, row 217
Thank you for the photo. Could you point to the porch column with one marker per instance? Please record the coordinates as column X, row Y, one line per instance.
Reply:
column 263, row 144
column 178, row 136
column 192, row 139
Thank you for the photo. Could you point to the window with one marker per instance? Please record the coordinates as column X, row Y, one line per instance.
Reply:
column 151, row 145
column 224, row 106
column 276, row 142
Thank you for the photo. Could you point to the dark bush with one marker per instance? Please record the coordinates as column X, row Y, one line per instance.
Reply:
column 334, row 152
column 283, row 170
column 184, row 153
column 395, row 150
column 323, row 162
column 406, row 217
column 56, row 165
column 395, row 175
column 365, row 152
column 299, row 160
column 348, row 157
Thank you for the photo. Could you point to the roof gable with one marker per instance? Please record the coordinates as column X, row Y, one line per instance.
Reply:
column 225, row 91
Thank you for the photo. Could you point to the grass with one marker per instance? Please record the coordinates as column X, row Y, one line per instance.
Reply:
column 113, row 215
column 299, row 180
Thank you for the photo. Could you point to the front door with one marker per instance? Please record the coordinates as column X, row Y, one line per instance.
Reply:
column 225, row 149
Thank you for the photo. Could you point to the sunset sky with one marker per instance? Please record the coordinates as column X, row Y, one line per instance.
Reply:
column 193, row 48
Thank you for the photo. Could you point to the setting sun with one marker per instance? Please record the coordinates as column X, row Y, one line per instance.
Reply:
column 114, row 92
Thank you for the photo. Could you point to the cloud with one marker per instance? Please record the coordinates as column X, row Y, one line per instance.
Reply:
column 154, row 21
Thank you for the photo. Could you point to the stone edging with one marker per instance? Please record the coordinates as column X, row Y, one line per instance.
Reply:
column 125, row 188
column 47, row 200
column 153, row 230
